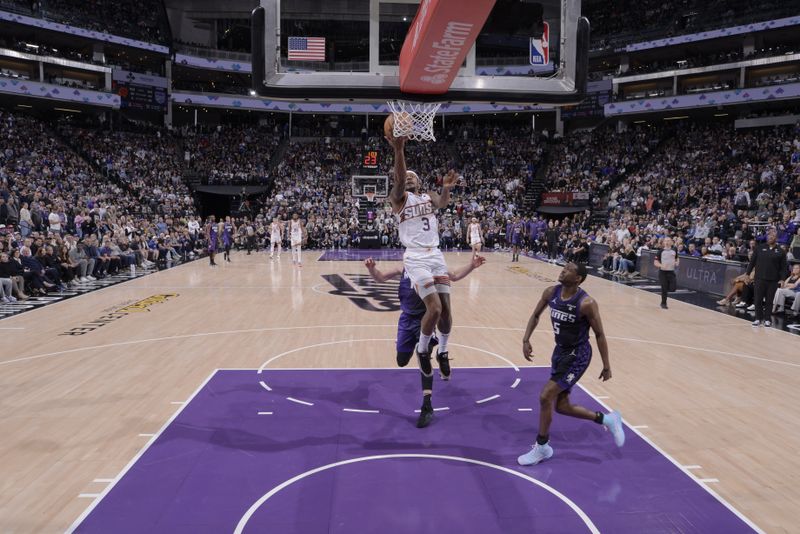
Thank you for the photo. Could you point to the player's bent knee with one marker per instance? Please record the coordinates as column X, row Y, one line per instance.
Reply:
column 403, row 358
column 433, row 305
column 545, row 399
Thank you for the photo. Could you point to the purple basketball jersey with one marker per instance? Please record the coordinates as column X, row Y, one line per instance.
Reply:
column 409, row 300
column 570, row 327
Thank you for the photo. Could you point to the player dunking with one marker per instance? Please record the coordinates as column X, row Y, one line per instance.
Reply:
column 475, row 236
column 572, row 312
column 408, row 326
column 275, row 237
column 297, row 236
column 422, row 260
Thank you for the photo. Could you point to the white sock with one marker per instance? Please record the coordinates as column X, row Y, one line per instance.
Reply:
column 443, row 342
column 424, row 341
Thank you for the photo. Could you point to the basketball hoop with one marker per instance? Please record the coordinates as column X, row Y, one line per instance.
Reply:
column 414, row 119
column 370, row 196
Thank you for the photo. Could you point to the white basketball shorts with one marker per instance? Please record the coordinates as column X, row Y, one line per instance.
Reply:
column 427, row 270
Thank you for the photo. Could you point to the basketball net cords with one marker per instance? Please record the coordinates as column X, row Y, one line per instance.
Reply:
column 414, row 119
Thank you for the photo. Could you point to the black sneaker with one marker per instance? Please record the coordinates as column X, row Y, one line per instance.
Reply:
column 425, row 417
column 664, row 306
column 424, row 359
column 443, row 359
column 434, row 341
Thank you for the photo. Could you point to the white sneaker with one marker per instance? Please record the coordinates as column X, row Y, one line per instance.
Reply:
column 741, row 304
column 613, row 422
column 91, row 278
column 752, row 307
column 83, row 279
column 538, row 453
column 767, row 323
column 756, row 323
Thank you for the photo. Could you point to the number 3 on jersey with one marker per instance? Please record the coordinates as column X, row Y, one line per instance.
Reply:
column 426, row 224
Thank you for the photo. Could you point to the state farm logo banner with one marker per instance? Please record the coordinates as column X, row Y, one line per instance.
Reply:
column 437, row 43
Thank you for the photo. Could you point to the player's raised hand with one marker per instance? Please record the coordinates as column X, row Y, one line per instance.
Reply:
column 527, row 350
column 398, row 143
column 450, row 179
column 369, row 263
column 477, row 261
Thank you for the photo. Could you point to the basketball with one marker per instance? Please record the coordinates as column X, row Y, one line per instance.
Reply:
column 406, row 123
column 388, row 126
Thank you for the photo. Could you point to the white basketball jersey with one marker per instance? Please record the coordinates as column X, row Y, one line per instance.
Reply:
column 418, row 226
column 296, row 230
column 276, row 230
column 475, row 232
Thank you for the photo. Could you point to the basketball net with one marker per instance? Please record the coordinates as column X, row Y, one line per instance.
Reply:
column 414, row 119
column 370, row 196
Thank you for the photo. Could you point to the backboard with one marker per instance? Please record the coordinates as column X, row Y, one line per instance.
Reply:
column 514, row 51
column 361, row 186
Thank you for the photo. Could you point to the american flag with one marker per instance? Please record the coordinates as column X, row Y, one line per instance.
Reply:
column 306, row 48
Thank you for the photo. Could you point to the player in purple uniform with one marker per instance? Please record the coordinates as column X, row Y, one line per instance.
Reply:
column 517, row 236
column 572, row 312
column 408, row 327
column 211, row 238
column 227, row 237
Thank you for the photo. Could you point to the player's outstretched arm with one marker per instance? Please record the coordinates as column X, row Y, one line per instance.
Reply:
column 591, row 311
column 449, row 181
column 527, row 350
column 397, row 196
column 377, row 274
column 462, row 272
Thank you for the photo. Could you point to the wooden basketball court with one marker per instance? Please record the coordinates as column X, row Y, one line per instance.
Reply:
column 88, row 382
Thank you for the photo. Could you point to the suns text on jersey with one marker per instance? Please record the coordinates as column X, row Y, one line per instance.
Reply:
column 417, row 210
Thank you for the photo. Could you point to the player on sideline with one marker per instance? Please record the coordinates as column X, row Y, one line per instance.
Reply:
column 275, row 237
column 228, row 231
column 475, row 236
column 297, row 236
column 408, row 326
column 211, row 238
column 422, row 259
column 572, row 312
column 517, row 231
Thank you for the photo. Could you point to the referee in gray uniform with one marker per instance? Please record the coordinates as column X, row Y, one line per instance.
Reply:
column 769, row 261
column 666, row 261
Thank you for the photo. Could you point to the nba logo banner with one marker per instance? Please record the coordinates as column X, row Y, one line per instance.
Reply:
column 540, row 48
